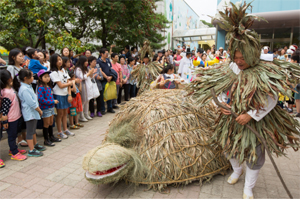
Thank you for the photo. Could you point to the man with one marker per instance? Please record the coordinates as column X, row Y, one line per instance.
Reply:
column 127, row 51
column 266, row 49
column 160, row 55
column 105, row 67
column 117, row 67
column 168, row 56
column 184, row 67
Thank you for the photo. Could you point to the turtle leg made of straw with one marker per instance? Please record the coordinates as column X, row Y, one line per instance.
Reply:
column 259, row 137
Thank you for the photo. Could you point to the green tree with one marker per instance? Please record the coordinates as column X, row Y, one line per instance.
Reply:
column 27, row 22
column 207, row 23
column 117, row 22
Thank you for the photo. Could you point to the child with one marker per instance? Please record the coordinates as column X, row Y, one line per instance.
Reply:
column 46, row 102
column 2, row 164
column 76, row 103
column 66, row 64
column 167, row 75
column 62, row 93
column 11, row 109
column 30, row 110
column 82, row 72
column 97, row 77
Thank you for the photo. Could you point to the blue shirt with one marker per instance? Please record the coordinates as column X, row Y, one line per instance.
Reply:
column 35, row 66
column 29, row 102
column 105, row 66
column 131, row 79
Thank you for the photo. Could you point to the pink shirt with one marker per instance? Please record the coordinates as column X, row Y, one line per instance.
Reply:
column 178, row 58
column 14, row 110
column 117, row 67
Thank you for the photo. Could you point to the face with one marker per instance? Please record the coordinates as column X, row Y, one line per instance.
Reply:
column 41, row 57
column 116, row 58
column 208, row 51
column 93, row 63
column 88, row 54
column 160, row 54
column 265, row 51
column 199, row 54
column 283, row 52
column 35, row 55
column 146, row 60
column 122, row 61
column 293, row 61
column 19, row 58
column 240, row 61
column 66, row 52
column 123, row 51
column 86, row 63
column 105, row 55
column 28, row 80
column 46, row 78
column 134, row 50
column 132, row 63
column 204, row 57
column 68, row 64
column 71, row 53
column 59, row 62
column 178, row 52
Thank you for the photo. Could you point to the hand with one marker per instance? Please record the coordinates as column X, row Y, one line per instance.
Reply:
column 177, row 82
column 109, row 78
column 70, row 99
column 73, row 81
column 56, row 101
column 113, row 46
column 243, row 119
column 77, row 80
column 5, row 126
column 41, row 112
column 225, row 112
column 121, row 84
column 27, row 62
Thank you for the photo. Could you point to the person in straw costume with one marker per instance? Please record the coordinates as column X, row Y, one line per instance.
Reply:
column 249, row 86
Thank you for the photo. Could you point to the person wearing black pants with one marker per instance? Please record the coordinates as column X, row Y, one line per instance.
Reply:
column 92, row 106
column 126, row 88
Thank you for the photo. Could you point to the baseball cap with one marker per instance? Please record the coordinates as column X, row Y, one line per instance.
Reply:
column 42, row 72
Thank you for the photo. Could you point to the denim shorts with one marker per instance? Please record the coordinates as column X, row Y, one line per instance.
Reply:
column 48, row 112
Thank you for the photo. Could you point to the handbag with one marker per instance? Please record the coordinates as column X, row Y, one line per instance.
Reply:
column 110, row 91
column 95, row 89
column 73, row 111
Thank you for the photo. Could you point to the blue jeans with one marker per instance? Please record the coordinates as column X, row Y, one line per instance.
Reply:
column 102, row 103
column 12, row 133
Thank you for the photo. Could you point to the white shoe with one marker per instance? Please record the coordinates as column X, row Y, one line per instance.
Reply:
column 237, row 171
column 83, row 119
column 62, row 135
column 250, row 181
column 67, row 132
column 88, row 117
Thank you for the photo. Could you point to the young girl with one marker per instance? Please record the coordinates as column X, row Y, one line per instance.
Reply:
column 167, row 75
column 46, row 102
column 82, row 72
column 62, row 93
column 2, row 164
column 97, row 77
column 65, row 52
column 66, row 64
column 11, row 109
column 76, row 103
column 30, row 110
column 15, row 60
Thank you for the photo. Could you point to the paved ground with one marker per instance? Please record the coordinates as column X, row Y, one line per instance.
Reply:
column 58, row 174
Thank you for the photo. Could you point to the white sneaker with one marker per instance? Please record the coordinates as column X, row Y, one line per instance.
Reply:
column 67, row 132
column 88, row 117
column 83, row 119
column 62, row 135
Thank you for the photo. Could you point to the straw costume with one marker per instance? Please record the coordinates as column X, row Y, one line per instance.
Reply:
column 252, row 93
column 159, row 138
column 145, row 74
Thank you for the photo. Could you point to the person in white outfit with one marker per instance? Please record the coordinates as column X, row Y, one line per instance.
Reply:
column 184, row 67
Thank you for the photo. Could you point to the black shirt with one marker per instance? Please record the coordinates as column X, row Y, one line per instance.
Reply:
column 105, row 66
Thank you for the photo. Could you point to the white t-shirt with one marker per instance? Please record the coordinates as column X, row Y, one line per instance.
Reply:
column 63, row 77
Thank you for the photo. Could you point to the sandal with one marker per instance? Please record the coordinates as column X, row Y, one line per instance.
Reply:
column 2, row 165
column 79, row 125
column 24, row 143
column 74, row 127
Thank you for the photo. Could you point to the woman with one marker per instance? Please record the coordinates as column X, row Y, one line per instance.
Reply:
column 65, row 52
column 281, row 53
column 134, row 52
column 125, row 80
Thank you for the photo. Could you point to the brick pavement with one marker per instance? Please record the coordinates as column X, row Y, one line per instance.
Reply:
column 58, row 174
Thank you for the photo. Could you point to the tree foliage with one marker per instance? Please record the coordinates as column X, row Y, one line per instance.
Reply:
column 78, row 23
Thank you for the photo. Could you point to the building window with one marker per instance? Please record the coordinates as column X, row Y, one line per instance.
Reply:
column 296, row 36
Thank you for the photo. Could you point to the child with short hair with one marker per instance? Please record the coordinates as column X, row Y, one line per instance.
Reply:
column 30, row 110
column 10, row 108
column 76, row 104
column 46, row 102
column 62, row 93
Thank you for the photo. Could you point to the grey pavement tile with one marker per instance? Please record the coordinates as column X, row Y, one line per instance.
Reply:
column 4, row 186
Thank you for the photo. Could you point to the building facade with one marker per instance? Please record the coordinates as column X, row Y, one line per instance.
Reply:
column 282, row 29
